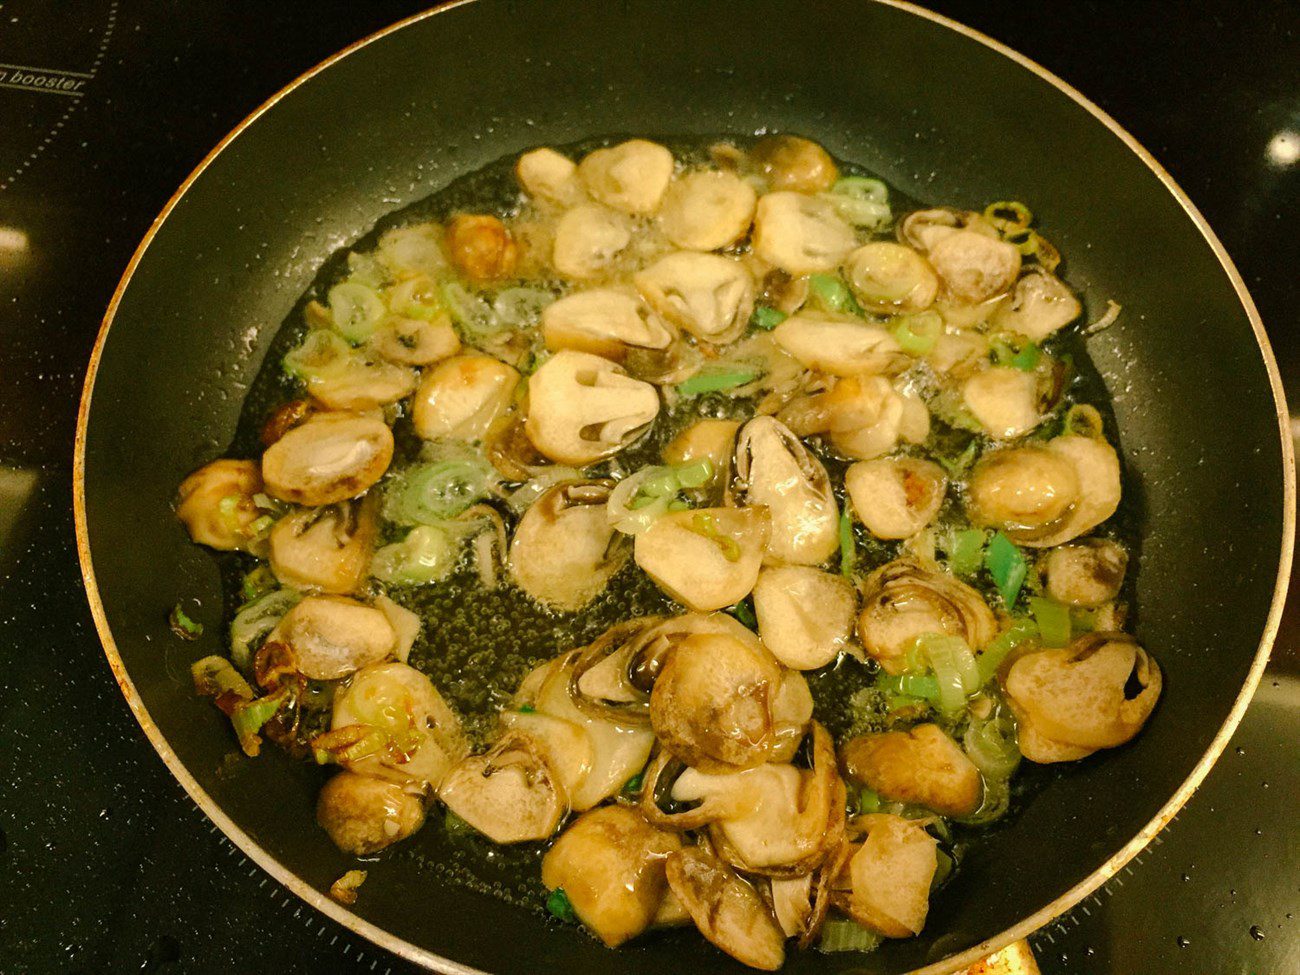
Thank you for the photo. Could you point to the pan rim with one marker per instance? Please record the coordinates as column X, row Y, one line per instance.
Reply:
column 955, row 963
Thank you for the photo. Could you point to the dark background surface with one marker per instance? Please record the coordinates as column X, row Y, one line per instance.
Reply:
column 108, row 867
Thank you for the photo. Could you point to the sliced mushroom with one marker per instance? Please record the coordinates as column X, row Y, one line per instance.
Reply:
column 362, row 815
column 603, row 322
column 890, row 278
column 840, row 345
column 792, row 710
column 564, row 551
column 610, row 865
column 923, row 229
column 566, row 746
column 343, row 378
column 708, row 295
column 922, row 766
column 864, row 416
column 727, row 910
column 462, row 397
column 1039, row 305
column 631, row 176
column 903, row 601
column 325, row 548
column 547, row 175
column 775, row 470
column 332, row 457
column 1044, row 495
column 707, row 439
column 1087, row 573
column 792, row 903
column 706, row 558
column 333, row 636
column 509, row 794
column 712, row 703
column 1004, row 400
column 896, row 497
column 481, row 247
column 707, row 210
column 417, row 736
column 415, row 341
column 793, row 163
column 588, row 240
column 800, row 234
column 216, row 505
column 1095, row 693
column 805, row 615
column 1037, row 747
column 974, row 267
column 891, row 874
column 582, row 408
column 957, row 355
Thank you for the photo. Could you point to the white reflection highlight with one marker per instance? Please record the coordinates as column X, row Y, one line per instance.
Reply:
column 1284, row 148
column 12, row 239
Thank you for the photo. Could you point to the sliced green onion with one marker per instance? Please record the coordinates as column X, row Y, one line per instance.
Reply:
column 1008, row 567
column 677, row 504
column 1053, row 620
column 355, row 310
column 257, row 583
column 255, row 620
column 661, row 483
column 1002, row 351
column 958, row 465
column 923, row 687
column 966, row 551
column 630, row 509
column 943, row 868
column 427, row 555
column 557, row 902
column 474, row 315
column 182, row 625
column 862, row 201
column 527, row 709
column 1008, row 214
column 214, row 676
column 1082, row 620
column 997, row 649
column 429, row 493
column 1082, row 420
column 521, row 307
column 249, row 718
column 896, row 703
column 743, row 612
column 868, row 800
column 917, row 334
column 831, row 293
column 767, row 318
column 716, row 382
column 848, row 554
column 991, row 745
column 633, row 785
column 842, row 934
column 695, row 474
column 1027, row 358
column 955, row 671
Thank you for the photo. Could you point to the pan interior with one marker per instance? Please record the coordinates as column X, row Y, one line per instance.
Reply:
column 936, row 114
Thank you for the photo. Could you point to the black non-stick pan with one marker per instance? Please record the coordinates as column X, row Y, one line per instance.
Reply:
column 941, row 113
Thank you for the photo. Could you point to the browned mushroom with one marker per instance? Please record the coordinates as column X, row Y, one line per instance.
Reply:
column 510, row 793
column 706, row 558
column 922, row 766
column 1086, row 573
column 332, row 457
column 726, row 909
column 362, row 815
column 325, row 548
column 793, row 163
column 481, row 247
column 891, row 874
column 333, row 636
column 216, row 505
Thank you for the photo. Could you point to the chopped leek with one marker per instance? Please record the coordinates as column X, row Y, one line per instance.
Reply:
column 249, row 718
column 355, row 310
column 428, row 554
column 868, row 800
column 182, row 625
column 521, row 307
column 214, row 676
column 991, row 745
column 842, row 934
column 429, row 493
column 917, row 334
column 923, row 687
column 255, row 620
column 966, row 551
column 831, row 293
column 767, row 318
column 716, row 382
column 743, row 612
column 257, row 583
column 848, row 556
column 695, row 474
column 1008, row 215
column 1082, row 420
column 344, row 890
column 997, row 650
column 958, row 465
column 557, row 902
column 862, row 201
column 474, row 315
column 1053, row 620
column 633, row 785
column 1007, row 565
column 955, row 670
column 1027, row 358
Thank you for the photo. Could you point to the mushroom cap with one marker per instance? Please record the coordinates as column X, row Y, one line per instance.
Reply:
column 481, row 247
column 402, row 702
column 547, row 175
column 631, row 176
column 707, row 209
column 840, row 345
column 890, row 278
column 604, row 322
column 1039, row 305
column 362, row 815
column 790, row 162
column 564, row 551
column 1086, row 573
column 800, row 234
column 896, row 497
column 706, row 439
column 1095, row 693
column 922, row 766
column 1004, row 400
column 864, row 415
column 333, row 636
column 327, row 548
column 726, row 909
column 331, row 457
column 891, row 873
column 582, row 408
column 588, row 240
column 610, row 864
column 415, row 341
column 902, row 601
column 202, row 495
column 708, row 295
column 510, row 794
column 706, row 558
column 805, row 615
column 462, row 397
column 772, row 468
column 973, row 266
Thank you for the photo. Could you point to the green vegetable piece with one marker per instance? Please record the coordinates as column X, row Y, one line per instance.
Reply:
column 716, row 382
column 917, row 334
column 848, row 553
column 1027, row 358
column 843, row 934
column 767, row 318
column 956, row 673
column 355, row 310
column 997, row 650
column 743, row 612
column 957, row 466
column 557, row 902
column 1008, row 214
column 1007, row 565
column 678, row 504
column 255, row 620
column 831, row 293
column 862, row 201
column 430, row 493
column 1002, row 350
column 527, row 709
column 662, row 484
column 695, row 474
column 182, row 625
column 258, row 582
column 633, row 785
column 249, row 718
column 428, row 554
column 966, row 551
column 214, row 676
column 918, row 687
column 868, row 800
column 1053, row 620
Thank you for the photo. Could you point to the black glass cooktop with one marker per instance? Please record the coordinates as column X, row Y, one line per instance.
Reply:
column 106, row 105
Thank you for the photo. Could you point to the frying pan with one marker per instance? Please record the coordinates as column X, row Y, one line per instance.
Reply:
column 941, row 113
